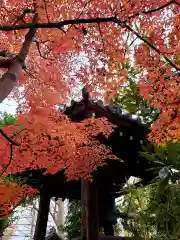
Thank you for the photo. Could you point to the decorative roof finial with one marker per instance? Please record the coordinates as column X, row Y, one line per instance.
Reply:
column 85, row 93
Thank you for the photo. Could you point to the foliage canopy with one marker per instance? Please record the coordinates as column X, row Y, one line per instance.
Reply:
column 50, row 47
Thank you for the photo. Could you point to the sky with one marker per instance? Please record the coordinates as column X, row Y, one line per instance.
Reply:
column 8, row 106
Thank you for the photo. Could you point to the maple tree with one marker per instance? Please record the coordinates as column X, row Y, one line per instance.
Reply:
column 11, row 195
column 60, row 31
column 49, row 47
column 33, row 146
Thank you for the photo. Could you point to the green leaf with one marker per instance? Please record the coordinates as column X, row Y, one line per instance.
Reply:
column 159, row 162
column 177, row 164
column 163, row 185
column 129, row 98
column 8, row 119
column 173, row 153
column 148, row 156
column 130, row 107
column 154, row 169
column 148, row 148
column 160, row 152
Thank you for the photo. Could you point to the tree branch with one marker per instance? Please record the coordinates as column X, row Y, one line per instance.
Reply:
column 8, row 80
column 155, row 9
column 39, row 49
column 86, row 4
column 8, row 138
column 21, row 17
column 8, row 59
column 151, row 46
column 11, row 150
column 45, row 6
column 26, row 44
column 76, row 21
column 102, row 39
column 5, row 63
column 56, row 24
column 6, row 54
column 91, row 20
column 159, row 8
column 10, row 159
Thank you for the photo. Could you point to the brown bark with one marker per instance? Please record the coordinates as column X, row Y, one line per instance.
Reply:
column 5, row 63
column 15, row 66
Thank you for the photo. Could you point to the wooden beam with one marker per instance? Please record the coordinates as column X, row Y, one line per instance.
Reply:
column 90, row 221
column 42, row 218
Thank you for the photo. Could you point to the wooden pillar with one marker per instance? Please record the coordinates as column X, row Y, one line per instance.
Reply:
column 90, row 221
column 42, row 218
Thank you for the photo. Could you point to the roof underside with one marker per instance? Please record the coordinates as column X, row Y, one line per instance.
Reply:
column 126, row 142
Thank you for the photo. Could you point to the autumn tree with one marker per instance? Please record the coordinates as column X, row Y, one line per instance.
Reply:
column 50, row 47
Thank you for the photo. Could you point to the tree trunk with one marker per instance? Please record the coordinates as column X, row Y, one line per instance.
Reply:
column 9, row 79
